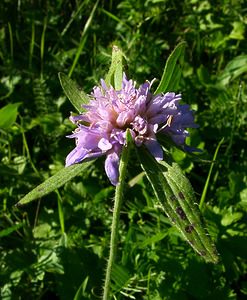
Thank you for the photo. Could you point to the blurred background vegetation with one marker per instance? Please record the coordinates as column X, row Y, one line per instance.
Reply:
column 56, row 248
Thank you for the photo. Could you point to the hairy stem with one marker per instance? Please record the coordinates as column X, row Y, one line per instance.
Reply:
column 115, row 220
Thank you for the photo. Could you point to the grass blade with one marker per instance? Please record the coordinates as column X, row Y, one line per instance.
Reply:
column 31, row 46
column 42, row 48
column 80, row 294
column 60, row 211
column 203, row 197
column 11, row 43
column 115, row 18
column 83, row 38
column 72, row 18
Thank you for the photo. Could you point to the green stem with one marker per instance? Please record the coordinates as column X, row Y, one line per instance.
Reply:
column 115, row 220
column 203, row 197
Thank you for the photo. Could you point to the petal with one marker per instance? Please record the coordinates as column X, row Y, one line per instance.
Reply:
column 154, row 148
column 119, row 136
column 140, row 105
column 88, row 138
column 192, row 149
column 104, row 144
column 179, row 139
column 75, row 156
column 158, row 119
column 75, row 119
column 125, row 117
column 112, row 167
column 103, row 84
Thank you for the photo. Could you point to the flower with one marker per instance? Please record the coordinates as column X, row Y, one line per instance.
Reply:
column 101, row 130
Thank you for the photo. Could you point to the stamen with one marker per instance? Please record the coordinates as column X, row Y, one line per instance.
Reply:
column 168, row 123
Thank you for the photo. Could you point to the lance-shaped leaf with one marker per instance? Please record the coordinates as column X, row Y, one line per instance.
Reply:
column 176, row 197
column 75, row 94
column 173, row 70
column 54, row 182
column 115, row 75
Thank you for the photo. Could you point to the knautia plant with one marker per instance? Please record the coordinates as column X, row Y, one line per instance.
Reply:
column 120, row 116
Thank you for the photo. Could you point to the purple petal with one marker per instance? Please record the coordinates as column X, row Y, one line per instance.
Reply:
column 101, row 129
column 140, row 104
column 179, row 139
column 192, row 149
column 75, row 119
column 111, row 167
column 75, row 156
column 154, row 148
column 125, row 117
column 103, row 84
column 104, row 144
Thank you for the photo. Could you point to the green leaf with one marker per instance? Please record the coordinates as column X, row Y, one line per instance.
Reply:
column 153, row 239
column 120, row 276
column 115, row 75
column 231, row 217
column 176, row 197
column 238, row 30
column 54, row 182
column 173, row 70
column 233, row 69
column 8, row 115
column 76, row 96
column 9, row 230
column 80, row 294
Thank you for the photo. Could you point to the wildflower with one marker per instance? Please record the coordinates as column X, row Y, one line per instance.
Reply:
column 101, row 130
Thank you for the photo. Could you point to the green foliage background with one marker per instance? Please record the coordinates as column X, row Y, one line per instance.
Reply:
column 56, row 248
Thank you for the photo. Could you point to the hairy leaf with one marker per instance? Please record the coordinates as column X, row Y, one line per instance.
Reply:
column 176, row 197
column 76, row 96
column 115, row 75
column 54, row 182
column 172, row 72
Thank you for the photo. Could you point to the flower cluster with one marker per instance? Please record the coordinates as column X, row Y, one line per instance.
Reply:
column 102, row 128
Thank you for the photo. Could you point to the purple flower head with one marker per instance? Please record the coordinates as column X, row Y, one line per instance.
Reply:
column 101, row 130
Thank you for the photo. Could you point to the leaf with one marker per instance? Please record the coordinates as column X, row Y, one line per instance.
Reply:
column 176, row 197
column 153, row 239
column 231, row 217
column 9, row 230
column 120, row 276
column 80, row 294
column 172, row 72
column 238, row 30
column 76, row 96
column 54, row 182
column 233, row 69
column 115, row 75
column 8, row 115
